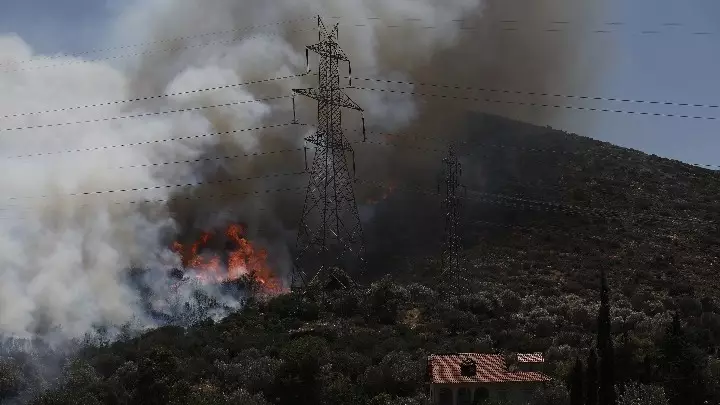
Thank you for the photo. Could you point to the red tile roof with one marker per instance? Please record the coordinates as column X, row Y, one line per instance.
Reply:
column 491, row 368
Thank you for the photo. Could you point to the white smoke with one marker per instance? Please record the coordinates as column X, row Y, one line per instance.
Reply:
column 62, row 252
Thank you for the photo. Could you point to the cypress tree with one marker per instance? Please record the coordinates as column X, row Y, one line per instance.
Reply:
column 682, row 365
column 591, row 379
column 576, row 383
column 606, row 391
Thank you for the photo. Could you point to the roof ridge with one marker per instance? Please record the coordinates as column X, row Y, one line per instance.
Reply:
column 465, row 353
column 446, row 368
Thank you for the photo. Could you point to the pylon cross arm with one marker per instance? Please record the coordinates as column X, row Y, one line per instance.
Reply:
column 337, row 98
column 333, row 53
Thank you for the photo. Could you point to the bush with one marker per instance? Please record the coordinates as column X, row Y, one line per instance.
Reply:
column 635, row 393
column 212, row 396
column 553, row 394
column 385, row 299
column 11, row 380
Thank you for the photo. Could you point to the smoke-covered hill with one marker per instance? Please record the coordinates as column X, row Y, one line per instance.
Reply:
column 545, row 210
column 541, row 195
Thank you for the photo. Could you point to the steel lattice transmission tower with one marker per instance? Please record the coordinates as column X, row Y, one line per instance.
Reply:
column 330, row 233
column 452, row 273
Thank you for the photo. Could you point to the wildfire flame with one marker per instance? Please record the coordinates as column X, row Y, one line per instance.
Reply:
column 241, row 258
column 387, row 189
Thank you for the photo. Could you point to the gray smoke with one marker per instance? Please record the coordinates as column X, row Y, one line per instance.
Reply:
column 506, row 47
column 67, row 240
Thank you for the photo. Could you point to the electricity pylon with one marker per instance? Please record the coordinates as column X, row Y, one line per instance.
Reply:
column 330, row 232
column 452, row 273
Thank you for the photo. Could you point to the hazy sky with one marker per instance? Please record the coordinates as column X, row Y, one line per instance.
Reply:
column 674, row 65
column 57, row 25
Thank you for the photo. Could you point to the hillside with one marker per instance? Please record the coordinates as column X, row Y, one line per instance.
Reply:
column 566, row 202
column 650, row 220
column 556, row 207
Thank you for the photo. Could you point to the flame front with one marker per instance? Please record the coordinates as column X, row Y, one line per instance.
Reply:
column 387, row 189
column 242, row 258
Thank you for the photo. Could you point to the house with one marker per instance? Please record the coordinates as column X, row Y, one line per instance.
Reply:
column 472, row 378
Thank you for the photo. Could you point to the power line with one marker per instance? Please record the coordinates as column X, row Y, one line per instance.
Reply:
column 183, row 38
column 512, row 201
column 116, row 102
column 505, row 91
column 595, row 211
column 599, row 31
column 297, row 190
column 253, row 27
column 515, row 202
column 544, row 227
column 154, row 187
column 218, row 158
column 143, row 53
column 601, row 212
column 206, row 196
column 542, row 105
column 300, row 149
column 406, row 136
column 108, row 147
column 518, row 198
column 580, row 212
column 482, row 197
column 565, row 230
column 469, row 144
column 157, row 141
column 419, row 148
column 497, row 199
column 166, row 186
column 233, row 157
column 227, row 42
column 513, row 21
column 505, row 182
column 532, row 93
column 141, row 115
column 564, row 23
column 493, row 145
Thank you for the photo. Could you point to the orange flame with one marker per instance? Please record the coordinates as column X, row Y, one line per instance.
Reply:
column 243, row 259
column 387, row 190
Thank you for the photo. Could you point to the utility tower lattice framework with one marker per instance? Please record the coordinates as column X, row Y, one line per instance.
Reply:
column 452, row 274
column 330, row 232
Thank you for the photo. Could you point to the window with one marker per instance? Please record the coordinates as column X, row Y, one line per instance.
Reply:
column 445, row 397
column 464, row 397
column 481, row 395
column 468, row 368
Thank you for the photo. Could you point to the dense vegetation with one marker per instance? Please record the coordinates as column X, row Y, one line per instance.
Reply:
column 569, row 207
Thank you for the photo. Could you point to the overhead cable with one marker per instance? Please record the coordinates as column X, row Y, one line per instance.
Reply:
column 132, row 100
column 150, row 114
column 568, row 107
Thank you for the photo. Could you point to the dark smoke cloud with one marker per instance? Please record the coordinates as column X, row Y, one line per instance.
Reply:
column 488, row 56
column 72, row 235
column 64, row 261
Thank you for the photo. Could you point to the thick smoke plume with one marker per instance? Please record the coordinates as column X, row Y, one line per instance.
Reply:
column 67, row 241
column 68, row 236
column 543, row 46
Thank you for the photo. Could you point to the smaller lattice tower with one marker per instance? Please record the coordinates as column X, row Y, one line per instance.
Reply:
column 452, row 271
column 330, row 234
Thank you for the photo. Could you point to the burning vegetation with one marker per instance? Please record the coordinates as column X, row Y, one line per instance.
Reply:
column 382, row 194
column 239, row 258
